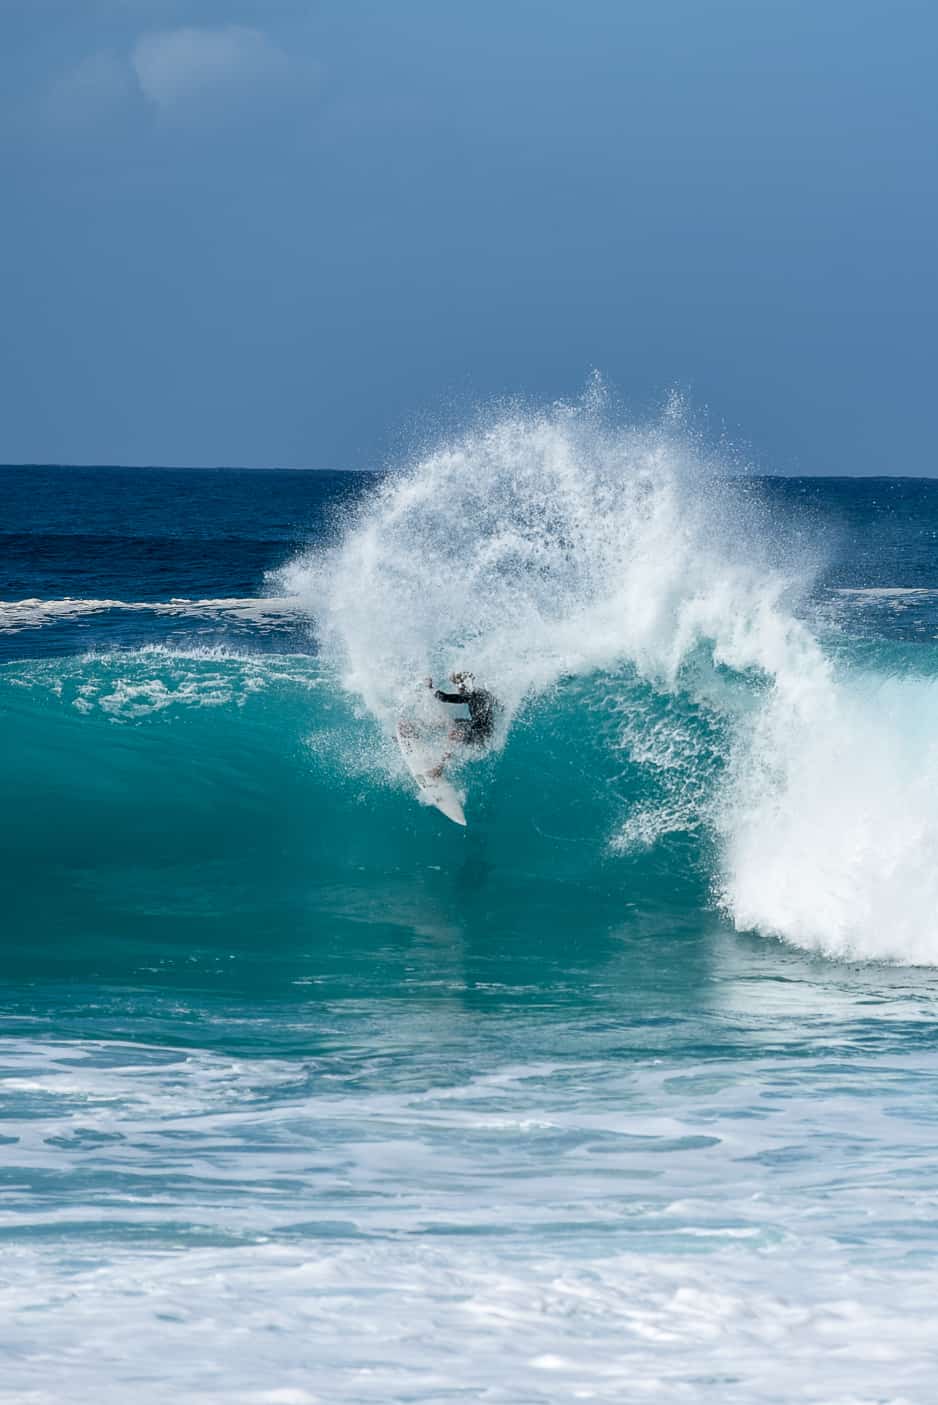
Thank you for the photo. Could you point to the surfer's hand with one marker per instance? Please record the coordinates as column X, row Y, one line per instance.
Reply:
column 428, row 682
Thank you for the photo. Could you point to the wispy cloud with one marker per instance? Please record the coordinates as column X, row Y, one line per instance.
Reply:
column 178, row 66
column 177, row 74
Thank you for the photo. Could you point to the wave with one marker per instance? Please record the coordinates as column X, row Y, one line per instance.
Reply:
column 886, row 592
column 548, row 546
column 675, row 724
column 809, row 817
column 18, row 615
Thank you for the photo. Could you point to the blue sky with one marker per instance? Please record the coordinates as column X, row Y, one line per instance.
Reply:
column 299, row 232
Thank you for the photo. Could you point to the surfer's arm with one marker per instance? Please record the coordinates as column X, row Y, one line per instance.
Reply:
column 449, row 697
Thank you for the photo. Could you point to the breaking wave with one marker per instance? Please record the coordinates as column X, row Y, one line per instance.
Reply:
column 573, row 563
column 679, row 720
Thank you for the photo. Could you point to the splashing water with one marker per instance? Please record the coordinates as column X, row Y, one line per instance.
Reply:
column 548, row 545
column 540, row 546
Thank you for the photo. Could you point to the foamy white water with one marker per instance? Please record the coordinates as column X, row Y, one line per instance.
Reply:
column 17, row 615
column 832, row 821
column 563, row 1229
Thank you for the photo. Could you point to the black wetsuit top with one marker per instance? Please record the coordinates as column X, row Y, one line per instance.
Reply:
column 481, row 707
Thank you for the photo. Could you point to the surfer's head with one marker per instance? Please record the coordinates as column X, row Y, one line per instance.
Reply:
column 463, row 681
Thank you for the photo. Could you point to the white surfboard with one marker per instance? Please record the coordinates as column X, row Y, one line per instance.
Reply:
column 421, row 761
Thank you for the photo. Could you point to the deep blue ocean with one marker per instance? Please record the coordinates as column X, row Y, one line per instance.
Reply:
column 628, row 1090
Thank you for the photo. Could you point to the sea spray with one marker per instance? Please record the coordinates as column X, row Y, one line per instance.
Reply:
column 541, row 545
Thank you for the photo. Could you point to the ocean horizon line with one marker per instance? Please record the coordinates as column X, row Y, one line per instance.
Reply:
column 374, row 472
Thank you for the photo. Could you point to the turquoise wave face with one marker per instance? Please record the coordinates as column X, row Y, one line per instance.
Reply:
column 238, row 822
column 168, row 807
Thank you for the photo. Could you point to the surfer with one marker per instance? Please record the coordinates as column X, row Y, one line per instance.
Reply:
column 477, row 728
column 468, row 731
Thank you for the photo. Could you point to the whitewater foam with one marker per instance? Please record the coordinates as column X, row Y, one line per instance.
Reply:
column 130, row 685
column 536, row 1246
column 18, row 615
column 831, row 821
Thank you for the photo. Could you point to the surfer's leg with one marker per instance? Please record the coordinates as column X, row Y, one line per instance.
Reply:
column 457, row 733
column 435, row 772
